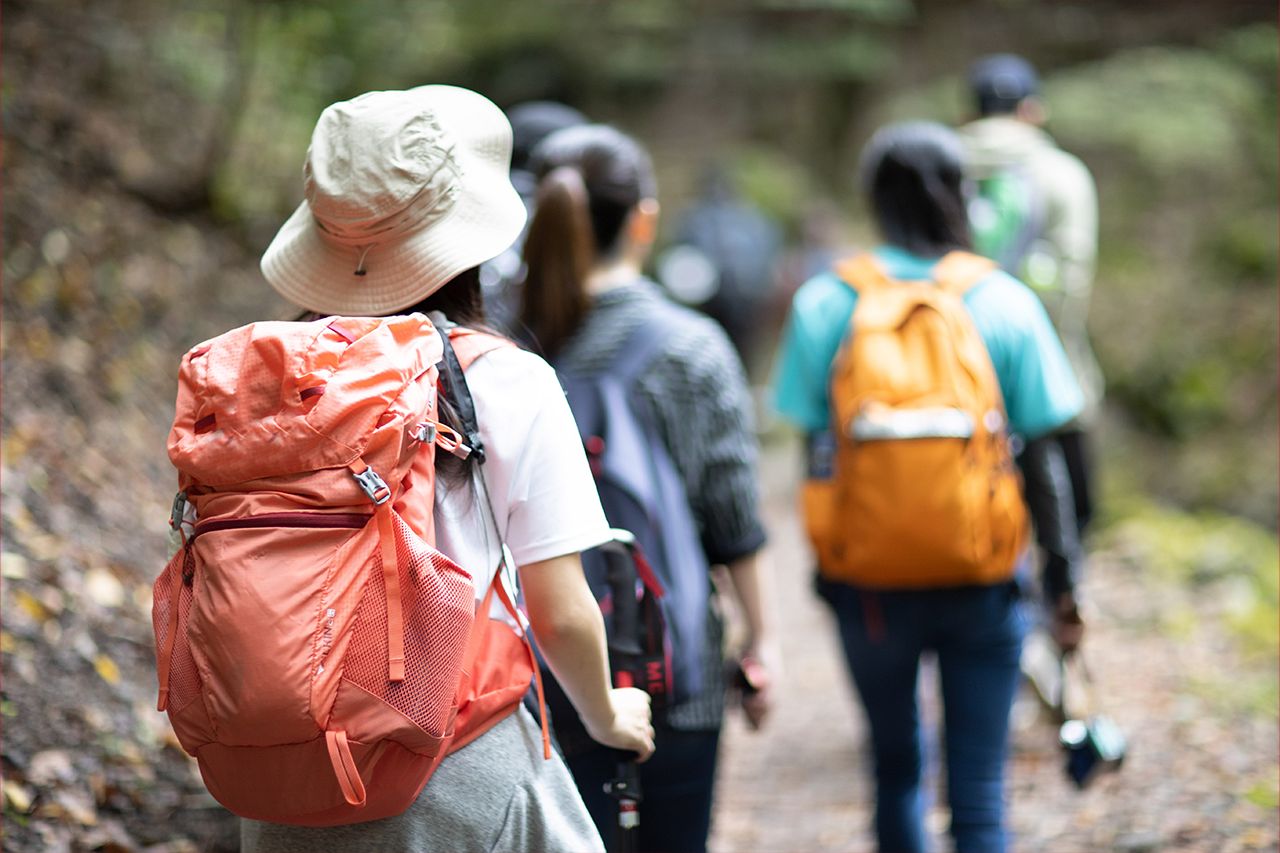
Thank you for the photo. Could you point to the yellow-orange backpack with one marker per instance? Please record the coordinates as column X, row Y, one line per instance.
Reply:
column 924, row 491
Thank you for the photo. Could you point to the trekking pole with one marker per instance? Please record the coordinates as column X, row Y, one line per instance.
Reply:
column 624, row 653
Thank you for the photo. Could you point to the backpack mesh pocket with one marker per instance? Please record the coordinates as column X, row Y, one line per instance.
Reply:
column 184, row 680
column 438, row 602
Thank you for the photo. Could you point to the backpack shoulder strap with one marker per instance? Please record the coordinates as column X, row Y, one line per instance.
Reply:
column 883, row 301
column 959, row 271
column 641, row 346
column 461, row 347
column 862, row 273
column 470, row 344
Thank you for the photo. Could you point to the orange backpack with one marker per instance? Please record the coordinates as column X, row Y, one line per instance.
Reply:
column 924, row 492
column 317, row 655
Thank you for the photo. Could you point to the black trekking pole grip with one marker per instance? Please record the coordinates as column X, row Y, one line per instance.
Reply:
column 624, row 653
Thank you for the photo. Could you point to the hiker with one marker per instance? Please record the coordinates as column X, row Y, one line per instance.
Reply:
column 1036, row 213
column 531, row 122
column 739, row 243
column 913, row 505
column 589, row 307
column 407, row 193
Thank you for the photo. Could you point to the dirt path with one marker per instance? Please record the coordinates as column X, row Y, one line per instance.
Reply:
column 799, row 783
column 1201, row 772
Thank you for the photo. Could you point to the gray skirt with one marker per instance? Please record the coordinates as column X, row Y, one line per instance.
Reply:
column 496, row 793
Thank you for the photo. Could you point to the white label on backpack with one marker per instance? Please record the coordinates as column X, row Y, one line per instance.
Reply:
column 880, row 423
column 326, row 637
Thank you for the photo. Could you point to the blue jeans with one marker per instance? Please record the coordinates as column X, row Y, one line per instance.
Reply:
column 977, row 633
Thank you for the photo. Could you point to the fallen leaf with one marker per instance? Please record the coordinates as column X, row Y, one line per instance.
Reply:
column 13, row 565
column 30, row 605
column 13, row 510
column 51, row 597
column 50, row 766
column 55, row 836
column 142, row 597
column 109, row 836
column 101, row 790
column 12, row 449
column 102, row 586
column 107, row 668
column 18, row 795
column 7, row 642
column 99, row 719
column 25, row 668
column 1256, row 838
column 78, row 805
column 45, row 546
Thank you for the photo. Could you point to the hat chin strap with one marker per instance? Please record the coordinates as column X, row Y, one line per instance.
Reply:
column 360, row 264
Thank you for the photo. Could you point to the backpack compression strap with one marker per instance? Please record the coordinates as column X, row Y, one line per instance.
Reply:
column 378, row 492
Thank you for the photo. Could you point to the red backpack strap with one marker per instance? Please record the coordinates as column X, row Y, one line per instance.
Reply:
column 482, row 625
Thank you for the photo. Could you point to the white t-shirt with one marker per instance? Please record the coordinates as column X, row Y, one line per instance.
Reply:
column 536, row 472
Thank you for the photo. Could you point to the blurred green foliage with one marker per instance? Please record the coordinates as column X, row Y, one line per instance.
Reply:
column 1176, row 109
column 1182, row 138
column 1208, row 548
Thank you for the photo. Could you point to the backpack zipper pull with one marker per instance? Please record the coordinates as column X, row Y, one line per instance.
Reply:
column 445, row 438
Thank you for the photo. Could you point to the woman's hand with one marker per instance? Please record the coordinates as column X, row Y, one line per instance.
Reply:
column 631, row 728
column 570, row 631
column 757, row 668
column 760, row 663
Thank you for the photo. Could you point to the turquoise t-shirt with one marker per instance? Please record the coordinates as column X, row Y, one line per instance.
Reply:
column 1040, row 391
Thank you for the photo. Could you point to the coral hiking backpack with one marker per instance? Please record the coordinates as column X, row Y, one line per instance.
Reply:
column 923, row 491
column 316, row 653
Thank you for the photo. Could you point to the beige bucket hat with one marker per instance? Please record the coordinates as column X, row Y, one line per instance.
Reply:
column 404, row 190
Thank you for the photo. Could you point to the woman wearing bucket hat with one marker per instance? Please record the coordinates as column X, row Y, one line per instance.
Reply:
column 407, row 193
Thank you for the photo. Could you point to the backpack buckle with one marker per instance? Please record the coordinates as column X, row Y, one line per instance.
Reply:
column 373, row 485
column 426, row 432
column 179, row 510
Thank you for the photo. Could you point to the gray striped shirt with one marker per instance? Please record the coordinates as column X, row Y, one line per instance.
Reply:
column 694, row 391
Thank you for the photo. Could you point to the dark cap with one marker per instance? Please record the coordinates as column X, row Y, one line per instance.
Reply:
column 534, row 121
column 1001, row 80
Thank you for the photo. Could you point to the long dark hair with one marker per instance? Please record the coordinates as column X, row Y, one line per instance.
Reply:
column 590, row 178
column 461, row 300
column 913, row 173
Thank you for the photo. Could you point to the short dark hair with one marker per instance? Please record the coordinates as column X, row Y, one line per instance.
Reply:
column 1001, row 81
column 913, row 172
